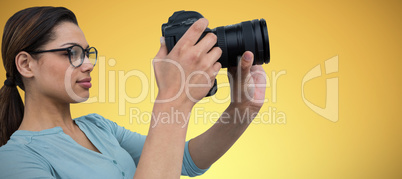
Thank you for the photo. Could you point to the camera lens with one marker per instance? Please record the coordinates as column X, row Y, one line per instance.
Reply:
column 235, row 39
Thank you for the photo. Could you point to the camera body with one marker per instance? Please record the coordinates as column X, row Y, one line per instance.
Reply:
column 178, row 24
column 234, row 39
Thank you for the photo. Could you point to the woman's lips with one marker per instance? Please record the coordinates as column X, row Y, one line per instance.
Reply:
column 85, row 83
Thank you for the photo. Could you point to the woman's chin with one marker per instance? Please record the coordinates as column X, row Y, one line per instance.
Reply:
column 83, row 99
column 79, row 98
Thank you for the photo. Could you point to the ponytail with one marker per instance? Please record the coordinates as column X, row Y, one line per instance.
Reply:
column 11, row 111
column 27, row 30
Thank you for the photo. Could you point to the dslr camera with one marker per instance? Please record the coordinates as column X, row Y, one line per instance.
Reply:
column 234, row 39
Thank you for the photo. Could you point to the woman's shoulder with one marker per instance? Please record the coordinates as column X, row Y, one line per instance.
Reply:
column 17, row 150
column 17, row 159
column 17, row 145
column 92, row 120
column 10, row 147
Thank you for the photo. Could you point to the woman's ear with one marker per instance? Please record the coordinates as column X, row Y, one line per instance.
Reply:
column 24, row 61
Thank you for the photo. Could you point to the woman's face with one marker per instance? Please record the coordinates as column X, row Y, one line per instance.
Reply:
column 54, row 76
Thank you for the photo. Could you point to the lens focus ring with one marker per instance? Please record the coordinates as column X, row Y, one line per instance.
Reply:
column 220, row 33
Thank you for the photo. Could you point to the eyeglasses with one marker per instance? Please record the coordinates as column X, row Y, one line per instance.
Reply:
column 76, row 54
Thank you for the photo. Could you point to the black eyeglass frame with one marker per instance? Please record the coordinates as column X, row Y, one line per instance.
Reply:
column 68, row 49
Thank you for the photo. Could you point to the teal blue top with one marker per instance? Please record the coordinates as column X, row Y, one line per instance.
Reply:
column 53, row 154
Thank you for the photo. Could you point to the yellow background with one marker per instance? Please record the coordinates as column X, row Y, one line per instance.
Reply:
column 366, row 142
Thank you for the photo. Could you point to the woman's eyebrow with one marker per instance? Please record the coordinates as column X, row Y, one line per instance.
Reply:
column 73, row 43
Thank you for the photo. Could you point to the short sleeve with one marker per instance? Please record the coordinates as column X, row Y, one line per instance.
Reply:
column 133, row 143
column 189, row 168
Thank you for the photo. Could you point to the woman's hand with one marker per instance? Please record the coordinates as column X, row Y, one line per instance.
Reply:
column 187, row 73
column 247, row 84
column 189, row 63
column 248, row 93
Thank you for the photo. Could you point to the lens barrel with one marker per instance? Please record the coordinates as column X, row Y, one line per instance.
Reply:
column 235, row 39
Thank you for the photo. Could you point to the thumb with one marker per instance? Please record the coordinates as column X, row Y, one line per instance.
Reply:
column 246, row 62
column 162, row 53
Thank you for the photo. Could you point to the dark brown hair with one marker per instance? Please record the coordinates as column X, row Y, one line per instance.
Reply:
column 27, row 30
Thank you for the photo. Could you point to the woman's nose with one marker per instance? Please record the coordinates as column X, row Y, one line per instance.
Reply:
column 87, row 65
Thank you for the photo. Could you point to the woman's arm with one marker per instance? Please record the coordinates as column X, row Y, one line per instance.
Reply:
column 248, row 93
column 163, row 150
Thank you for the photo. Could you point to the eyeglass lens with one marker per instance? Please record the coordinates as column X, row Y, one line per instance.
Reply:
column 77, row 55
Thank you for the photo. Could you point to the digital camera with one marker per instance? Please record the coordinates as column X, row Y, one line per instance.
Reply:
column 234, row 39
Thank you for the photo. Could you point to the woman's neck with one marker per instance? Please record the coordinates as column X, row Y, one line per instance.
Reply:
column 45, row 114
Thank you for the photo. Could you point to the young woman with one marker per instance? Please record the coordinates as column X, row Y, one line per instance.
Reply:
column 46, row 54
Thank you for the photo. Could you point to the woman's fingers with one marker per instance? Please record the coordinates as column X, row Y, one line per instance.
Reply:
column 162, row 53
column 216, row 67
column 246, row 63
column 195, row 63
column 212, row 56
column 192, row 35
column 207, row 42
